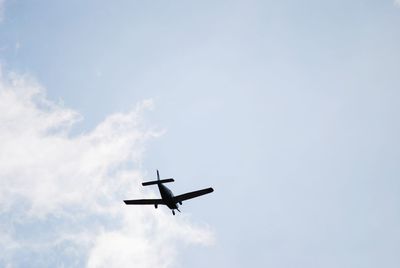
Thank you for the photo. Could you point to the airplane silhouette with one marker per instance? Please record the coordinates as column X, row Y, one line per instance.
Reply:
column 167, row 197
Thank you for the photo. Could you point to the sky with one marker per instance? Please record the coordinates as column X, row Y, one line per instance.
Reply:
column 289, row 110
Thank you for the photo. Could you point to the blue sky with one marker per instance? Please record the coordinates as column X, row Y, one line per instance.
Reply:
column 290, row 110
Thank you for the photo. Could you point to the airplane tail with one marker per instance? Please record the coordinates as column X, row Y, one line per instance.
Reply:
column 158, row 181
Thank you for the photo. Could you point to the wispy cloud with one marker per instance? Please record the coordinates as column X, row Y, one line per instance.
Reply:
column 61, row 195
column 397, row 3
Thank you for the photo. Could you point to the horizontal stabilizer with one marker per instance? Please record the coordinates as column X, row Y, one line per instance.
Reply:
column 157, row 182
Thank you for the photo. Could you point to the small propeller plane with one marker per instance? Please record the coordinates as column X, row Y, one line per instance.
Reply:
column 167, row 197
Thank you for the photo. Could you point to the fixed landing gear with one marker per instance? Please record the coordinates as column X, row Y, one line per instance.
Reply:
column 173, row 211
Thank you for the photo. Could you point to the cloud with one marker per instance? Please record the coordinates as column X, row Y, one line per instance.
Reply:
column 61, row 194
column 397, row 3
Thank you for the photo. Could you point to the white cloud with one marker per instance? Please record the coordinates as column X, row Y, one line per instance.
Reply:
column 397, row 3
column 61, row 195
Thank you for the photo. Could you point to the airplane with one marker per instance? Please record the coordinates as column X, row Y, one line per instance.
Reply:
column 167, row 197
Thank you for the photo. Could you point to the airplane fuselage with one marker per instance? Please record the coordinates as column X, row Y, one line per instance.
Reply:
column 167, row 196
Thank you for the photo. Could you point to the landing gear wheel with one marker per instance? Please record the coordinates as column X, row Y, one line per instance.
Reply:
column 173, row 212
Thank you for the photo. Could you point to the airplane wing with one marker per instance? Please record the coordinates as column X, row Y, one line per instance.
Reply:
column 144, row 202
column 182, row 197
